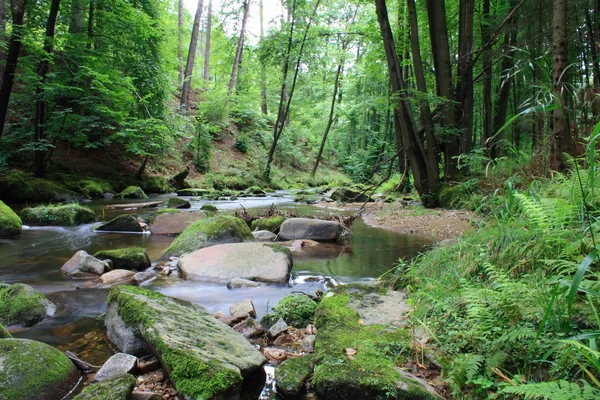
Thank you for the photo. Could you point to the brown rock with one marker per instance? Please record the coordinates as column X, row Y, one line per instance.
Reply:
column 273, row 355
column 249, row 328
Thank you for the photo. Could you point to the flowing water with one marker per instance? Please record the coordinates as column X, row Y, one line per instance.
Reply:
column 37, row 255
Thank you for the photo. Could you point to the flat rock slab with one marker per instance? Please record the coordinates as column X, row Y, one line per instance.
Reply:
column 204, row 358
column 148, row 204
column 117, row 275
column 117, row 365
column 174, row 224
column 259, row 262
column 313, row 229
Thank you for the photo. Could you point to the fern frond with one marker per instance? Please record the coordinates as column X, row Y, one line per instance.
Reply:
column 554, row 390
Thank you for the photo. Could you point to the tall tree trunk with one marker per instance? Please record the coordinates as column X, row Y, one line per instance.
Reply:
column 487, row 140
column 238, row 78
column 12, row 58
column 90, row 26
column 39, row 154
column 207, row 47
column 593, row 38
column 77, row 23
column 180, row 40
column 263, row 74
column 464, row 86
column 406, row 134
column 561, row 136
column 3, row 39
column 189, row 66
column 240, row 48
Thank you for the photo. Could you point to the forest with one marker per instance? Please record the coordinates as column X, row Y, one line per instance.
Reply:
column 409, row 112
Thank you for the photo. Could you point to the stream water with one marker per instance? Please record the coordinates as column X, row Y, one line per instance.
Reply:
column 37, row 255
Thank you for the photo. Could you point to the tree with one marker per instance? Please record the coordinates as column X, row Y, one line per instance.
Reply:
column 207, row 47
column 189, row 66
column 263, row 77
column 240, row 48
column 180, row 39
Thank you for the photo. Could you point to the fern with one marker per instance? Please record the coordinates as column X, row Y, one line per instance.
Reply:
column 554, row 390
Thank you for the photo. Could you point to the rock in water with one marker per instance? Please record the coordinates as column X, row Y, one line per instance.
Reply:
column 118, row 388
column 117, row 275
column 23, row 305
column 291, row 375
column 277, row 329
column 245, row 306
column 65, row 215
column 142, row 277
column 313, row 229
column 119, row 364
column 249, row 328
column 10, row 223
column 238, row 283
column 31, row 370
column 203, row 357
column 209, row 232
column 176, row 202
column 122, row 223
column 259, row 262
column 134, row 258
column 173, row 224
column 264, row 236
column 82, row 265
column 270, row 224
column 133, row 192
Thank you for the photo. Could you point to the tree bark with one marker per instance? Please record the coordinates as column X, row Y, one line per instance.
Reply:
column 189, row 67
column 77, row 23
column 561, row 136
column 464, row 86
column 207, row 47
column 39, row 154
column 90, row 26
column 12, row 58
column 180, row 39
column 487, row 140
column 240, row 48
column 3, row 38
column 263, row 74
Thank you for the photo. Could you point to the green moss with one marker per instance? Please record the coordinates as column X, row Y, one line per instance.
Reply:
column 194, row 192
column 301, row 198
column 268, row 224
column 209, row 207
column 10, row 223
column 127, row 258
column 296, row 310
column 210, row 231
column 4, row 334
column 118, row 388
column 133, row 192
column 292, row 373
column 21, row 304
column 459, row 195
column 65, row 215
column 30, row 370
column 175, row 202
column 18, row 186
column 156, row 184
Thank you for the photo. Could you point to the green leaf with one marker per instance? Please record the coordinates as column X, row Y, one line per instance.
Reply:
column 583, row 267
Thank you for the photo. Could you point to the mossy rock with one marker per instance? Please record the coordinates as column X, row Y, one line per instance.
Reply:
column 63, row 215
column 10, row 223
column 295, row 309
column 210, row 208
column 20, row 187
column 118, row 388
column 23, row 305
column 133, row 258
column 271, row 224
column 194, row 192
column 133, row 192
column 4, row 334
column 204, row 358
column 34, row 371
column 208, row 232
column 122, row 223
column 161, row 211
column 292, row 374
column 175, row 202
column 156, row 184
column 95, row 189
column 459, row 195
column 300, row 198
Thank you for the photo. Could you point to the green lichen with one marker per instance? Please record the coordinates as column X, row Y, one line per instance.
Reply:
column 292, row 373
column 209, row 207
column 64, row 215
column 4, row 334
column 271, row 224
column 208, row 232
column 127, row 258
column 10, row 223
column 32, row 370
column 118, row 388
column 297, row 310
column 21, row 305
column 133, row 192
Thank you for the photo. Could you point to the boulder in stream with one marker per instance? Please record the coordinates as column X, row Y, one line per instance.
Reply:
column 134, row 258
column 238, row 283
column 176, row 202
column 62, row 215
column 171, row 224
column 209, row 232
column 142, row 277
column 83, row 265
column 264, row 236
column 245, row 306
column 23, row 305
column 10, row 223
column 120, row 276
column 292, row 375
column 32, row 370
column 117, row 365
column 313, row 229
column 249, row 328
column 122, row 223
column 258, row 262
column 117, row 388
column 271, row 224
column 203, row 357
column 133, row 192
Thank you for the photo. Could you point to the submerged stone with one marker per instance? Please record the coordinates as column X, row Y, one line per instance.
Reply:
column 203, row 357
column 23, row 305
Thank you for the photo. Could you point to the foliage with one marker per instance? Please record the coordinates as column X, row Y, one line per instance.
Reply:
column 296, row 310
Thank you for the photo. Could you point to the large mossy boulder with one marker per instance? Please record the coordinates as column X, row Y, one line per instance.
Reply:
column 312, row 229
column 19, row 187
column 370, row 371
column 4, row 334
column 258, row 262
column 209, row 232
column 176, row 202
column 118, row 388
column 268, row 224
column 122, row 223
column 134, row 258
column 203, row 357
column 349, row 194
column 296, row 309
column 173, row 223
column 291, row 375
column 31, row 370
column 23, row 305
column 10, row 223
column 63, row 215
column 194, row 192
column 133, row 192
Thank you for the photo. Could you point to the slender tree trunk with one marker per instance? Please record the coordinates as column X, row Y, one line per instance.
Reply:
column 487, row 140
column 12, row 58
column 180, row 39
column 39, row 154
column 240, row 48
column 263, row 74
column 90, row 26
column 207, row 47
column 593, row 38
column 464, row 86
column 561, row 136
column 238, row 78
column 77, row 24
column 189, row 66
column 3, row 39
